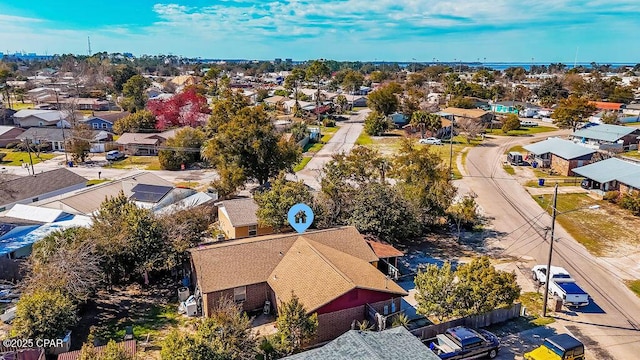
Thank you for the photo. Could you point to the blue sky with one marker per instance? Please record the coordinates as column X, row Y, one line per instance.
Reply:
column 390, row 30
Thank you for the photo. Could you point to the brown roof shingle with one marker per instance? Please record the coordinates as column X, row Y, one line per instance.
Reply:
column 240, row 262
column 384, row 250
column 318, row 274
column 240, row 212
column 31, row 186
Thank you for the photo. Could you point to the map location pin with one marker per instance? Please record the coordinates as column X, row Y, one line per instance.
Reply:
column 300, row 217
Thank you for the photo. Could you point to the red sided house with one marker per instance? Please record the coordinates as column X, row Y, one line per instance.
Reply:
column 332, row 272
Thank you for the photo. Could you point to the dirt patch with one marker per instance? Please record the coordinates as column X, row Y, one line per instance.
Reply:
column 149, row 310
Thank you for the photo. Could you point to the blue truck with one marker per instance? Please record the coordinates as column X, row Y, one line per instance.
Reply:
column 465, row 343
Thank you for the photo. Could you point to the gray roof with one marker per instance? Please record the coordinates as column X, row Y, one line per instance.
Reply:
column 604, row 132
column 53, row 134
column 563, row 148
column 241, row 212
column 46, row 115
column 609, row 170
column 393, row 344
column 32, row 186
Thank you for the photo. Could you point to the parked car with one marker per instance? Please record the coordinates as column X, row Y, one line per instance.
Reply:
column 515, row 158
column 462, row 342
column 561, row 284
column 114, row 155
column 558, row 347
column 528, row 123
column 430, row 141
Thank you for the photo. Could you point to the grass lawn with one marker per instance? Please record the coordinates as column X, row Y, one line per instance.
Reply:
column 17, row 158
column 143, row 162
column 327, row 134
column 526, row 131
column 364, row 139
column 96, row 181
column 152, row 322
column 517, row 148
column 509, row 169
column 17, row 105
column 533, row 302
column 302, row 164
column 633, row 154
column 595, row 229
column 634, row 285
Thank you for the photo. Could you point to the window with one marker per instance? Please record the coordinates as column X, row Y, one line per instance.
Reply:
column 253, row 230
column 94, row 125
column 240, row 294
column 104, row 125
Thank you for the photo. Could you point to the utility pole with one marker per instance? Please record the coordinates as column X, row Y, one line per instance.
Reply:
column 26, row 142
column 554, row 212
column 64, row 139
column 451, row 148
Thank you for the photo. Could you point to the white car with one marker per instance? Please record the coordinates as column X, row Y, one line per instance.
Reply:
column 430, row 141
column 114, row 155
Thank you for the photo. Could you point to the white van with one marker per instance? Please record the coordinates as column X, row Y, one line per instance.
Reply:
column 528, row 123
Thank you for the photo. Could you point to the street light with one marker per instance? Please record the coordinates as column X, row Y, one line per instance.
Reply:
column 554, row 214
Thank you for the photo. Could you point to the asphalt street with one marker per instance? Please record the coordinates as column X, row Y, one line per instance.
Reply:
column 612, row 322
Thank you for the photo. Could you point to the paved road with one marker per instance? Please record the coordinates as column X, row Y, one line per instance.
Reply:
column 612, row 322
column 342, row 141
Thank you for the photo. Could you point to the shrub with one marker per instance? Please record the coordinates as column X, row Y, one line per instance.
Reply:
column 329, row 123
column 611, row 196
column 2, row 155
column 631, row 202
column 11, row 145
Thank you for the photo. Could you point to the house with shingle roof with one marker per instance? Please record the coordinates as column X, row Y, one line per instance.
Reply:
column 238, row 219
column 562, row 156
column 29, row 189
column 331, row 271
column 393, row 344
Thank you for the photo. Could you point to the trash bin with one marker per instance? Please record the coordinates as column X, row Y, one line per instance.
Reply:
column 557, row 305
column 534, row 164
column 70, row 163
column 541, row 182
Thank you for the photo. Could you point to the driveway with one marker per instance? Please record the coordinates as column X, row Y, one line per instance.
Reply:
column 342, row 142
column 611, row 322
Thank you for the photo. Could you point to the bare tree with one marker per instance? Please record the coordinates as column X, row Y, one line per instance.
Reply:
column 469, row 128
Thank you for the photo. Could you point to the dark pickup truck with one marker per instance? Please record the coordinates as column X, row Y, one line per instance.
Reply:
column 464, row 343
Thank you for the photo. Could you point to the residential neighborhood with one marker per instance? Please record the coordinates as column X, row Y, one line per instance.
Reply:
column 145, row 205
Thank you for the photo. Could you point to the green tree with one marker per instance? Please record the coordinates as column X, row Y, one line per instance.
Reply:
column 120, row 75
column 230, row 179
column 228, row 105
column 112, row 351
column 464, row 213
column 130, row 239
column 610, row 118
column 293, row 82
column 140, row 121
column 211, row 79
column 461, row 103
column 436, row 293
column 510, row 122
column 622, row 94
column 185, row 149
column 384, row 99
column 224, row 335
column 185, row 229
column 352, row 81
column 572, row 112
column 342, row 101
column 482, row 288
column 295, row 326
column 398, row 222
column 133, row 91
column 376, row 123
column 249, row 142
column 43, row 315
column 426, row 122
column 423, row 179
column 79, row 142
column 274, row 203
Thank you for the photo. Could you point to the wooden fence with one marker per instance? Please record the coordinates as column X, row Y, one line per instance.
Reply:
column 476, row 321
